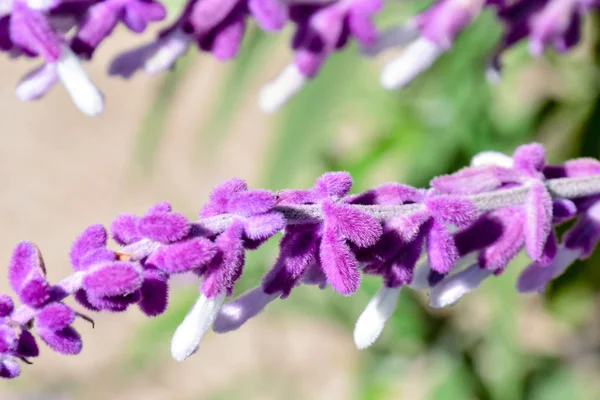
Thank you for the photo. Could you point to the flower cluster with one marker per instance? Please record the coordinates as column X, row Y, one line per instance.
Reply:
column 64, row 32
column 445, row 239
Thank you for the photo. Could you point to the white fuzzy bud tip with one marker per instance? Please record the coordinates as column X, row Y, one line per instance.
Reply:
column 199, row 319
column 82, row 90
column 416, row 58
column 371, row 322
column 277, row 92
column 451, row 289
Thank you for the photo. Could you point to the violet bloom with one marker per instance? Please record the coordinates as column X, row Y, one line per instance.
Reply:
column 38, row 32
column 216, row 26
column 434, row 32
column 313, row 253
column 321, row 29
column 253, row 221
column 446, row 239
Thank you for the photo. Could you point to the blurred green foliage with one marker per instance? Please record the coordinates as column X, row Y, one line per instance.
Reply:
column 432, row 127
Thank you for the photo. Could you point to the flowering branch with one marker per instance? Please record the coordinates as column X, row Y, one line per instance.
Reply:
column 469, row 224
column 64, row 32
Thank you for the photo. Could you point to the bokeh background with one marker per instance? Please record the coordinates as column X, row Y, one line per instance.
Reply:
column 173, row 137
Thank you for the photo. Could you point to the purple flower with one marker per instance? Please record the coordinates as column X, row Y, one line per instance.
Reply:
column 469, row 224
column 36, row 32
column 321, row 29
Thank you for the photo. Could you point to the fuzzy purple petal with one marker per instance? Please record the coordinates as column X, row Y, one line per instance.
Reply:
column 408, row 226
column 441, row 249
column 270, row 15
column 538, row 223
column 529, row 159
column 251, row 202
column 154, row 292
column 25, row 260
column 96, row 256
column 291, row 197
column 8, row 339
column 183, row 256
column 159, row 208
column 454, row 210
column 497, row 256
column 9, row 368
column 92, row 238
column 333, row 184
column 298, row 250
column 35, row 292
column 562, row 210
column 113, row 279
column 473, row 180
column 339, row 264
column 164, row 227
column 226, row 267
column 356, row 226
column 54, row 317
column 65, row 341
column 6, row 305
column 124, row 229
column 27, row 346
column 220, row 196
column 114, row 303
column 261, row 227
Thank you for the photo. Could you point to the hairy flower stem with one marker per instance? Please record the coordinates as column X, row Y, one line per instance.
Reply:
column 562, row 188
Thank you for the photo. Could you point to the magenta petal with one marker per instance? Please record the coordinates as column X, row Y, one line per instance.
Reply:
column 65, row 341
column 333, row 184
column 538, row 209
column 164, row 227
column 562, row 210
column 26, row 260
column 9, row 368
column 339, row 264
column 473, row 180
column 114, row 303
column 441, row 249
column 550, row 250
column 154, row 292
column 497, row 256
column 352, row 224
column 298, row 249
column 580, row 167
column 159, row 208
column 8, row 339
column 290, row 197
column 82, row 298
column 396, row 193
column 6, row 305
column 54, row 317
column 97, row 256
column 408, row 226
column 27, row 346
column 227, row 266
column 454, row 210
column 35, row 292
column 124, row 229
column 183, row 256
column 261, row 227
column 251, row 202
column 92, row 238
column 270, row 15
column 113, row 279
column 219, row 197
column 529, row 158
column 228, row 38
